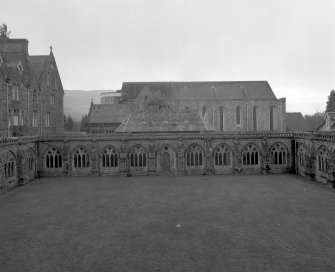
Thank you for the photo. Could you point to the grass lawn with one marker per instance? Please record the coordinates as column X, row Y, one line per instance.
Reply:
column 193, row 223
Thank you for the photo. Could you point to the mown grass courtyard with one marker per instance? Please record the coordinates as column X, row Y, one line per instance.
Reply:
column 198, row 223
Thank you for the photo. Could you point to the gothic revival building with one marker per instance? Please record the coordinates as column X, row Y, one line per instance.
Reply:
column 218, row 105
column 31, row 91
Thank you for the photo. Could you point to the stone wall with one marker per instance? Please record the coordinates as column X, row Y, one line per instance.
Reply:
column 307, row 154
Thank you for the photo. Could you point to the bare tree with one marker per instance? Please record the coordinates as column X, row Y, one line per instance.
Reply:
column 4, row 33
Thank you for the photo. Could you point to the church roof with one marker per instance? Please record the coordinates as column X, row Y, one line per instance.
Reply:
column 164, row 120
column 295, row 122
column 108, row 113
column 204, row 90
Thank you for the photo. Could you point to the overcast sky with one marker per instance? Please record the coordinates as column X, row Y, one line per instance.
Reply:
column 99, row 44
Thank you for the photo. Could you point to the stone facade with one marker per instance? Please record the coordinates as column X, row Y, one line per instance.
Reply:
column 307, row 154
column 31, row 92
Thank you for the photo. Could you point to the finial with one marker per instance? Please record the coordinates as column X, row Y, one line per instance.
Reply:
column 50, row 49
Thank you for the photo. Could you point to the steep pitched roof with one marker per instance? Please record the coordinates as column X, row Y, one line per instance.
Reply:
column 108, row 113
column 295, row 122
column 203, row 90
column 37, row 63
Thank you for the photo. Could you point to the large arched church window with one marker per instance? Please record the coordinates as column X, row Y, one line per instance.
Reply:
column 53, row 158
column 109, row 157
column 81, row 158
column 222, row 155
column 138, row 157
column 278, row 154
column 250, row 155
column 194, row 156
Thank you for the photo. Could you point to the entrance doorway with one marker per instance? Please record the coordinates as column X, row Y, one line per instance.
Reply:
column 166, row 163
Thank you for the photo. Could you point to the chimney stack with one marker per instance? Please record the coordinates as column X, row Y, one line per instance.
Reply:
column 14, row 46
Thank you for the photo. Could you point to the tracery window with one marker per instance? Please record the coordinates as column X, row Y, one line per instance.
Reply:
column 250, row 155
column 109, row 157
column 10, row 165
column 322, row 160
column 53, row 158
column 278, row 154
column 222, row 155
column 238, row 115
column 194, row 156
column 301, row 155
column 138, row 157
column 81, row 158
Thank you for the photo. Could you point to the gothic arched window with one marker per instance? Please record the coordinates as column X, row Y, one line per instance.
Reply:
column 194, row 156
column 278, row 154
column 10, row 165
column 254, row 118
column 109, row 157
column 81, row 158
column 138, row 157
column 250, row 155
column 238, row 115
column 221, row 118
column 271, row 118
column 53, row 158
column 222, row 155
column 322, row 160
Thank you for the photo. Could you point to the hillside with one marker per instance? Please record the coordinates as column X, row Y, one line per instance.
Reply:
column 77, row 103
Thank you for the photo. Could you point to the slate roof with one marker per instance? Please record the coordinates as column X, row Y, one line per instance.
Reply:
column 108, row 113
column 295, row 122
column 203, row 89
column 37, row 63
column 164, row 120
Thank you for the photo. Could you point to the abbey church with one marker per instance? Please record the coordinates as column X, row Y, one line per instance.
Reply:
column 190, row 106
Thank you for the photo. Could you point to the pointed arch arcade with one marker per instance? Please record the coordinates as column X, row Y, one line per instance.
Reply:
column 222, row 156
column 53, row 158
column 110, row 157
column 278, row 154
column 137, row 157
column 10, row 166
column 81, row 158
column 250, row 155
